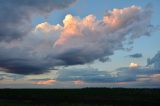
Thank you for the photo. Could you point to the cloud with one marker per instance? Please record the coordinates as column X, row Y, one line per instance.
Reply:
column 88, row 39
column 5, row 76
column 133, row 65
column 20, row 14
column 78, row 82
column 155, row 76
column 78, row 41
column 141, row 76
column 155, row 61
column 16, row 30
column 90, row 75
column 136, row 55
column 44, row 81
column 150, row 72
column 121, row 83
column 47, row 27
column 118, row 18
column 1, row 77
column 123, row 75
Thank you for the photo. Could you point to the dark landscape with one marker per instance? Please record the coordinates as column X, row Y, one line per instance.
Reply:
column 80, row 97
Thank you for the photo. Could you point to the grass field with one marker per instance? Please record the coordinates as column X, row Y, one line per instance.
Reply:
column 79, row 97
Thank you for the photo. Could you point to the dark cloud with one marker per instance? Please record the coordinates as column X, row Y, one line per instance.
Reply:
column 136, row 55
column 23, row 66
column 16, row 22
column 76, row 56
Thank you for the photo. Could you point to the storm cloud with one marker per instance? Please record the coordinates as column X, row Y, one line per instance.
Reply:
column 77, row 41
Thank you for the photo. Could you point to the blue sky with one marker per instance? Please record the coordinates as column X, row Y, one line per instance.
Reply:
column 82, row 51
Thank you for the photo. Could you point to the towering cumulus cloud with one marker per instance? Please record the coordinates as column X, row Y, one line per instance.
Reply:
column 78, row 41
column 87, row 39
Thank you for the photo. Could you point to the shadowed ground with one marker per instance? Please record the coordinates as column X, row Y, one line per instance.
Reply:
column 79, row 97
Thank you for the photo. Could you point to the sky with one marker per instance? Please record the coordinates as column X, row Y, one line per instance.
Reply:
column 79, row 43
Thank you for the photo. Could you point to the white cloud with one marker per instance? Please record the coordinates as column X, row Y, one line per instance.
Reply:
column 46, row 27
column 133, row 65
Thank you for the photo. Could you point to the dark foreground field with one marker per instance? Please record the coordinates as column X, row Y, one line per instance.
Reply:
column 79, row 97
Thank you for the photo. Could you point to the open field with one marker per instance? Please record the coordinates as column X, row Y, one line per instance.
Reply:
column 79, row 97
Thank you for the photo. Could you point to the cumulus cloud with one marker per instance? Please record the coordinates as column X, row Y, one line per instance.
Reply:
column 16, row 15
column 118, row 17
column 78, row 41
column 16, row 53
column 85, row 40
column 136, row 55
